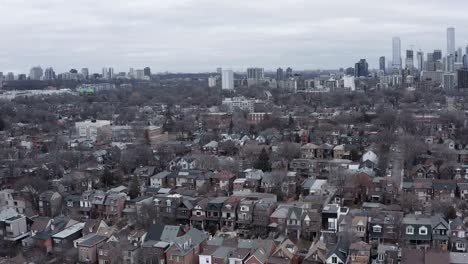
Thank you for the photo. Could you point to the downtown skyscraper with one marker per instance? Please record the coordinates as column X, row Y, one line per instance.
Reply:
column 450, row 41
column 396, row 53
column 382, row 63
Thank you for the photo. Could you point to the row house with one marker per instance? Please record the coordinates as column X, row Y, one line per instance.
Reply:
column 166, row 205
column 245, row 184
column 229, row 213
column 213, row 211
column 114, row 206
column 427, row 189
column 423, row 231
column 458, row 236
column 303, row 167
column 186, row 249
column 245, row 216
column 384, row 227
column 422, row 171
column 184, row 163
column 222, row 181
column 50, row 203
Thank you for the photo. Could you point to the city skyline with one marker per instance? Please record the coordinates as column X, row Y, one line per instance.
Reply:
column 145, row 33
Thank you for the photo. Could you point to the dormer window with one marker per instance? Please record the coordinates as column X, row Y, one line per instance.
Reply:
column 423, row 230
column 377, row 229
column 409, row 230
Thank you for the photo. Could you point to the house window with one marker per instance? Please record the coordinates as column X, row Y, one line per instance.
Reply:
column 207, row 260
column 380, row 257
column 423, row 230
column 461, row 234
column 409, row 230
column 460, row 245
column 377, row 229
column 334, row 260
column 360, row 229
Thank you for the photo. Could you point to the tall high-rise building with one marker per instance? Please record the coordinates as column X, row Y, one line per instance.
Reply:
column 409, row 63
column 462, row 78
column 289, row 72
column 361, row 68
column 450, row 41
column 219, row 70
column 1, row 76
column 437, row 55
column 110, row 74
column 36, row 73
column 255, row 74
column 382, row 63
column 450, row 63
column 227, row 80
column 396, row 53
column 85, row 72
column 10, row 77
column 131, row 73
column 105, row 73
column 49, row 74
column 449, row 81
column 140, row 74
column 279, row 74
column 147, row 71
column 420, row 60
column 459, row 55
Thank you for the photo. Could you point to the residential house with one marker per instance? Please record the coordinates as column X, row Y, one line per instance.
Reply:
column 416, row 231
column 440, row 229
column 184, row 211
column 114, row 205
column 159, row 180
column 313, row 186
column 185, row 249
column 72, row 206
column 222, row 181
column 384, row 227
column 211, row 147
column 213, row 210
column 458, row 236
column 245, row 216
column 13, row 226
column 309, row 151
column 50, row 203
column 462, row 188
column 423, row 188
column 444, row 190
column 304, row 167
column 64, row 239
column 310, row 224
column 332, row 215
column 144, row 173
column 287, row 252
column 359, row 253
column 387, row 253
column 229, row 213
column 337, row 254
column 88, row 247
column 261, row 215
column 239, row 255
column 359, row 227
column 198, row 218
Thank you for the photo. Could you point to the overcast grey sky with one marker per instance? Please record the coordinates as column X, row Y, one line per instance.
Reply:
column 200, row 35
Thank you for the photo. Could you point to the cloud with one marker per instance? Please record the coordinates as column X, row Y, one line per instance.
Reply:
column 200, row 35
